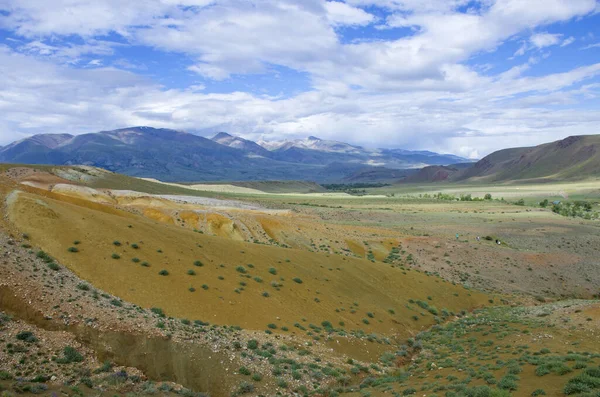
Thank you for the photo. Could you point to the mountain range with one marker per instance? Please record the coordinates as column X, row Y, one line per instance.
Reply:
column 180, row 156
column 177, row 156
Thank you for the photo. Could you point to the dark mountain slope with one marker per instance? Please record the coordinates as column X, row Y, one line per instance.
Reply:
column 575, row 157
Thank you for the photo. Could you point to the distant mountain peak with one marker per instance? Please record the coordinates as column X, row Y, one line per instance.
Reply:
column 222, row 135
column 314, row 138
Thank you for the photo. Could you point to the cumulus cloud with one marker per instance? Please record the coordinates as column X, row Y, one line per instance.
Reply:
column 413, row 89
column 541, row 40
column 39, row 96
column 339, row 13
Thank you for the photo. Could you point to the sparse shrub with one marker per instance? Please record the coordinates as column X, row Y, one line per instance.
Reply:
column 83, row 287
column 158, row 311
column 273, row 271
column 245, row 371
column 252, row 344
column 198, row 264
column 509, row 382
column 191, row 272
column 265, row 294
column 115, row 256
column 297, row 280
column 135, row 246
column 204, row 287
column 244, row 388
column 135, row 260
column 241, row 269
column 53, row 266
column 70, row 355
column 26, row 336
column 145, row 264
column 409, row 391
column 256, row 377
column 163, row 272
column 538, row 392
column 117, row 243
column 73, row 249
column 116, row 302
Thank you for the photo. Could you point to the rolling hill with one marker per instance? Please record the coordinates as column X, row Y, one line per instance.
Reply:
column 575, row 157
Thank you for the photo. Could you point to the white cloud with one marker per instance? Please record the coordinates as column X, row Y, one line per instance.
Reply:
column 229, row 37
column 68, row 52
column 39, row 96
column 416, row 90
column 587, row 47
column 541, row 40
column 568, row 41
column 339, row 13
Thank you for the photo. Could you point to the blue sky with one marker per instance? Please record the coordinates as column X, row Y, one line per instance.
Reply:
column 458, row 76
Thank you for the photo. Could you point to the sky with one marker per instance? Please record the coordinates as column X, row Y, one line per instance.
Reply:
column 466, row 77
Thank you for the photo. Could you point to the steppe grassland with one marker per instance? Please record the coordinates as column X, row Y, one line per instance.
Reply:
column 221, row 281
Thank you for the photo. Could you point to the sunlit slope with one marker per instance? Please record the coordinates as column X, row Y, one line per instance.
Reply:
column 245, row 284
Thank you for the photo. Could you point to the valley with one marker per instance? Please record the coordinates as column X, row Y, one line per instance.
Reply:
column 296, row 293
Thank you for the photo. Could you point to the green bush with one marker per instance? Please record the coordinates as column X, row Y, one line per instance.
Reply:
column 117, row 243
column 70, row 355
column 115, row 256
column 116, row 302
column 244, row 388
column 191, row 272
column 73, row 249
column 164, row 272
column 26, row 336
column 158, row 311
column 198, row 263
column 273, row 271
column 252, row 344
column 297, row 280
column 244, row 371
column 509, row 382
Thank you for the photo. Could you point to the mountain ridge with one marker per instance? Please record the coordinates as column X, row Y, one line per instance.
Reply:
column 179, row 156
column 571, row 158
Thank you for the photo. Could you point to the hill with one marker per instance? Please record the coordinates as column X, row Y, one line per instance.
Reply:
column 433, row 173
column 572, row 158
